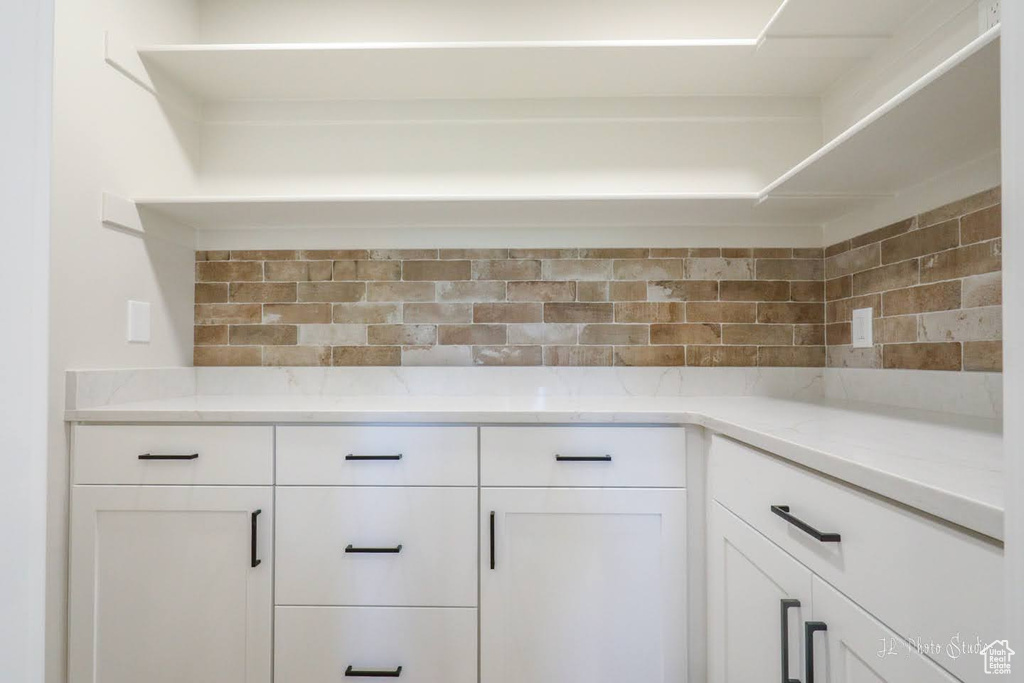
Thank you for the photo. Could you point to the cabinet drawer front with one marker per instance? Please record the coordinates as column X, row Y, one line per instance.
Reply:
column 583, row 456
column 435, row 527
column 318, row 644
column 368, row 456
column 920, row 577
column 173, row 455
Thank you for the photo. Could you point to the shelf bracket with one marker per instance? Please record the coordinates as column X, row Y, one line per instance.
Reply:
column 125, row 59
column 121, row 214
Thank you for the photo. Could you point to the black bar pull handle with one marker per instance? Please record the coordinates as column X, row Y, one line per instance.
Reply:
column 254, row 526
column 824, row 537
column 151, row 456
column 492, row 539
column 583, row 458
column 377, row 551
column 374, row 673
column 810, row 628
column 353, row 456
column 786, row 606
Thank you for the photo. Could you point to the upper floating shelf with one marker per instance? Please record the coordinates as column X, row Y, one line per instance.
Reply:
column 946, row 119
column 796, row 66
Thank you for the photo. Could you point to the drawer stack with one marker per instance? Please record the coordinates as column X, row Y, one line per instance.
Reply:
column 376, row 563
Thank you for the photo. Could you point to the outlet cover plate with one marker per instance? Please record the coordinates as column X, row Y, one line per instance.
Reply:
column 138, row 322
column 862, row 333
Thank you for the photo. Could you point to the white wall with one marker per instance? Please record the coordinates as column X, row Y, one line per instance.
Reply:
column 1013, row 316
column 26, row 35
column 108, row 135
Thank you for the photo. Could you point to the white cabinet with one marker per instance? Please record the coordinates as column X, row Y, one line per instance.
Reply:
column 163, row 587
column 854, row 647
column 758, row 599
column 583, row 585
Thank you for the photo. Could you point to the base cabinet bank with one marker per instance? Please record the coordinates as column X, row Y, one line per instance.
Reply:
column 518, row 554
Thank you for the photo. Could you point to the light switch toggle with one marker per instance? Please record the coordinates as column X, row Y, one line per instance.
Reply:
column 863, row 336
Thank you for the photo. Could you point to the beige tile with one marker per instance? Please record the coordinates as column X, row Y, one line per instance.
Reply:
column 731, row 312
column 366, row 355
column 615, row 335
column 975, row 259
column 719, row 269
column 228, row 313
column 682, row 290
column 402, row 254
column 790, row 269
column 436, row 270
column 842, row 309
column 332, row 335
column 650, row 312
column 721, row 356
column 592, row 291
column 213, row 255
column 809, row 252
column 229, row 271
column 390, row 335
column 227, row 356
column 849, row 357
column 733, row 252
column 853, row 261
column 686, row 333
column 839, row 288
column 437, row 355
column 263, row 335
column 211, row 292
column 921, row 242
column 297, row 356
column 399, row 291
column 780, row 312
column 543, row 333
column 511, row 269
column 296, row 313
column 616, row 252
column 983, row 356
column 656, row 356
column 578, row 269
column 471, row 335
column 508, row 312
column 578, row 312
column 473, row 254
column 809, row 335
column 438, row 313
column 484, row 290
column 331, row 291
column 334, row 255
column 627, row 291
column 368, row 270
column 961, row 207
column 541, row 291
column 757, row 335
column 297, row 271
column 773, row 252
column 264, row 255
column 371, row 313
column 983, row 290
column 971, row 324
column 896, row 330
column 210, row 335
column 839, row 334
column 543, row 253
column 892, row 276
column 508, row 355
column 808, row 291
column 754, row 290
column 983, row 225
column 648, row 269
column 791, row 356
column 263, row 292
column 590, row 356
column 838, row 248
column 884, row 233
column 922, row 356
column 937, row 297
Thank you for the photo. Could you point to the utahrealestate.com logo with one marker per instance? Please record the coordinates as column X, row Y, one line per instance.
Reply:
column 997, row 656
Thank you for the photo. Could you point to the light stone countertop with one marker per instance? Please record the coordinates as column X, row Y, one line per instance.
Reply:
column 942, row 464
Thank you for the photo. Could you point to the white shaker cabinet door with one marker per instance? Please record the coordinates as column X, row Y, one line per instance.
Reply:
column 163, row 587
column 585, row 586
column 851, row 646
column 758, row 597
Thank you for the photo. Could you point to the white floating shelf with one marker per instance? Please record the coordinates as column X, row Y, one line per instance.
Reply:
column 797, row 66
column 209, row 214
column 841, row 17
column 948, row 118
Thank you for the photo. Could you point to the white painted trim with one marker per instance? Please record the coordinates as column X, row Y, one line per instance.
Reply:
column 120, row 213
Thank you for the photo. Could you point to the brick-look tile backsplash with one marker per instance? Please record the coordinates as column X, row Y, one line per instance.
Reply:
column 934, row 284
column 932, row 280
column 643, row 306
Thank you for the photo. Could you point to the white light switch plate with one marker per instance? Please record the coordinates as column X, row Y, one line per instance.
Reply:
column 138, row 322
column 863, row 335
